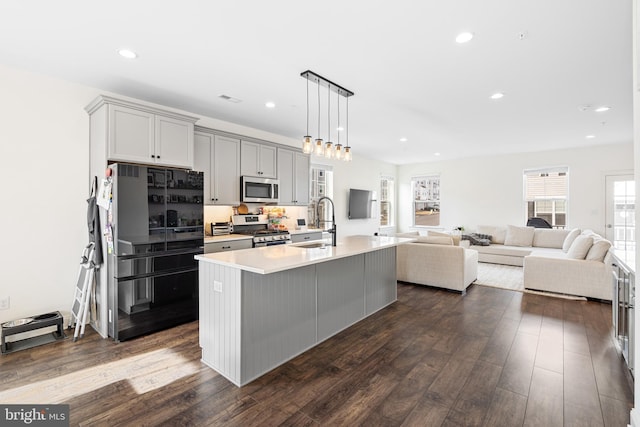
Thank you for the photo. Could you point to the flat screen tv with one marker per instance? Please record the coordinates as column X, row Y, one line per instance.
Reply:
column 359, row 204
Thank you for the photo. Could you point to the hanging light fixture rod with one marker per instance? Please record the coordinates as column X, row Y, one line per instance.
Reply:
column 318, row 79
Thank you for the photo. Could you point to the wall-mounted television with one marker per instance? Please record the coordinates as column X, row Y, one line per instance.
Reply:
column 360, row 203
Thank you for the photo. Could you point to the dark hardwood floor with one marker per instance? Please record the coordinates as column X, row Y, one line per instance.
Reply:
column 492, row 358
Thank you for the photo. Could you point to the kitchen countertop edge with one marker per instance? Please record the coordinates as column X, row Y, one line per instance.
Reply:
column 273, row 259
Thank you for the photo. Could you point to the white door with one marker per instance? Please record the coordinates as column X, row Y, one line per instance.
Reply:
column 620, row 211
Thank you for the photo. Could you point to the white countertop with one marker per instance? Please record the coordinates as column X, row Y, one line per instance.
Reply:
column 271, row 259
column 226, row 238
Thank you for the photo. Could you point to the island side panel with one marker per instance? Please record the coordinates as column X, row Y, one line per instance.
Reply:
column 278, row 318
column 381, row 286
column 340, row 294
column 220, row 319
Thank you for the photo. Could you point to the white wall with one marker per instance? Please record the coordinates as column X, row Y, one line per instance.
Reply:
column 362, row 174
column 44, row 183
column 488, row 190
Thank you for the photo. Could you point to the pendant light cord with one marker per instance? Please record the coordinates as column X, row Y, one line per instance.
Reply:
column 319, row 109
column 328, row 113
column 338, row 118
column 307, row 107
column 347, row 121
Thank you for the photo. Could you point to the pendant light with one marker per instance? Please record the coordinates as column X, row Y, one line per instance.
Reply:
column 347, row 149
column 307, row 147
column 338, row 154
column 319, row 150
column 328, row 147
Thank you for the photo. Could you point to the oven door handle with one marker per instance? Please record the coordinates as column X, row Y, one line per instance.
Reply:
column 191, row 251
column 163, row 273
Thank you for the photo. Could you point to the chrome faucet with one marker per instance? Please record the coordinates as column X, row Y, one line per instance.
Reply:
column 334, row 235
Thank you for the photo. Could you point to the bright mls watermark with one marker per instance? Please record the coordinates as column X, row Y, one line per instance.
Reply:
column 34, row 415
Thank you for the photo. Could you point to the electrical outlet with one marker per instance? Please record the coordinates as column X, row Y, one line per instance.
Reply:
column 4, row 303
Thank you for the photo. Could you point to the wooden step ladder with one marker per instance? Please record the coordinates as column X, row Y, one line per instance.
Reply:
column 82, row 297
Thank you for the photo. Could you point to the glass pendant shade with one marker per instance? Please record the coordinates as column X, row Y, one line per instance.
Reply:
column 347, row 154
column 338, row 153
column 319, row 151
column 328, row 150
column 307, row 146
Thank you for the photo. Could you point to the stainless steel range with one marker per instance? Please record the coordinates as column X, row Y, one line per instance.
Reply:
column 258, row 227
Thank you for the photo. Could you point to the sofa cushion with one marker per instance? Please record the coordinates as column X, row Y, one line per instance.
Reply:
column 503, row 250
column 569, row 239
column 409, row 234
column 497, row 234
column 436, row 240
column 454, row 237
column 580, row 247
column 598, row 250
column 519, row 236
column 549, row 238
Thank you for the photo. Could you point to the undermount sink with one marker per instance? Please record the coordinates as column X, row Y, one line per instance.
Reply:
column 312, row 245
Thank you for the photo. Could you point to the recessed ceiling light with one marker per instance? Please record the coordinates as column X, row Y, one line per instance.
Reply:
column 436, row 154
column 464, row 37
column 270, row 104
column 590, row 136
column 127, row 53
column 602, row 109
column 497, row 95
column 403, row 139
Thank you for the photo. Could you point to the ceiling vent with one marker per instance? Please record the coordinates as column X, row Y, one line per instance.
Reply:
column 230, row 99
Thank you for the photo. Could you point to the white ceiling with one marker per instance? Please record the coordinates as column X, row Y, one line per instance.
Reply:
column 409, row 76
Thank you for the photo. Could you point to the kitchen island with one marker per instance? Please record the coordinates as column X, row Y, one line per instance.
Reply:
column 261, row 307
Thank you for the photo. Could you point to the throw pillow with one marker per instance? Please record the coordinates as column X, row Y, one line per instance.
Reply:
column 454, row 237
column 519, row 236
column 599, row 250
column 436, row 240
column 580, row 247
column 569, row 239
column 549, row 238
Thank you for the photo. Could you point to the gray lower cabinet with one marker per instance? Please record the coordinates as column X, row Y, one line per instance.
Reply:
column 227, row 245
column 251, row 323
column 306, row 237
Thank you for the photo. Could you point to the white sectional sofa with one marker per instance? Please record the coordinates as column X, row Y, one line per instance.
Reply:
column 435, row 261
column 570, row 262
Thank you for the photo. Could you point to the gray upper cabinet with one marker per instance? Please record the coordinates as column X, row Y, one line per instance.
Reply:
column 293, row 174
column 258, row 159
column 219, row 158
column 141, row 134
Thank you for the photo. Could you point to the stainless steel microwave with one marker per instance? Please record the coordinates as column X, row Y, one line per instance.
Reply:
column 259, row 190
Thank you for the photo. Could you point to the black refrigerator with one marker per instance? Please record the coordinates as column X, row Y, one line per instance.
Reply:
column 156, row 224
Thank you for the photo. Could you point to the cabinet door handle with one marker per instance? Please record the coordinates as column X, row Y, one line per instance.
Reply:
column 226, row 247
column 306, row 238
column 153, row 156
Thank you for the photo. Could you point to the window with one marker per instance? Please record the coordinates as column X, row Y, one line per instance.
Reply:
column 426, row 201
column 387, row 196
column 321, row 186
column 545, row 195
